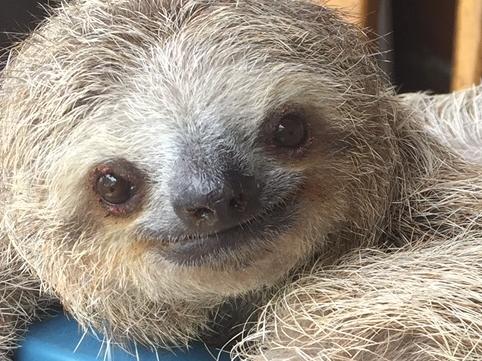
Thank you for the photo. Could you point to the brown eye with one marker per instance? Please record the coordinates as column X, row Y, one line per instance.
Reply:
column 114, row 189
column 118, row 186
column 290, row 132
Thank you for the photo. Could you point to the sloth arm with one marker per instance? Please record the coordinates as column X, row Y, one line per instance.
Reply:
column 454, row 118
column 417, row 304
column 20, row 300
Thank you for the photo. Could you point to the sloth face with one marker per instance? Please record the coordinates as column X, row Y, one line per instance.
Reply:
column 212, row 180
column 215, row 151
column 233, row 173
column 216, row 200
column 213, row 190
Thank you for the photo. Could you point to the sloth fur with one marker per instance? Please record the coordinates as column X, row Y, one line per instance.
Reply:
column 382, row 257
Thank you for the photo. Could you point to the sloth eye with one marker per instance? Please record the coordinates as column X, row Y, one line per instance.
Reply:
column 118, row 186
column 114, row 189
column 290, row 132
column 286, row 128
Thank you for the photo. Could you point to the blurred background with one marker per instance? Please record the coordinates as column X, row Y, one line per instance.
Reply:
column 431, row 45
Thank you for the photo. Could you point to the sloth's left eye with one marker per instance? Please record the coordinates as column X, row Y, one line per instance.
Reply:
column 290, row 132
column 118, row 186
column 286, row 128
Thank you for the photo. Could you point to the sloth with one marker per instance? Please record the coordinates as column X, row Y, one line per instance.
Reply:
column 178, row 170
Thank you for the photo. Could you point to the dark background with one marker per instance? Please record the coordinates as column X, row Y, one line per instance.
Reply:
column 423, row 33
column 419, row 37
column 17, row 17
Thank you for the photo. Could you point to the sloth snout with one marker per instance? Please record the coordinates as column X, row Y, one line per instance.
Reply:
column 209, row 204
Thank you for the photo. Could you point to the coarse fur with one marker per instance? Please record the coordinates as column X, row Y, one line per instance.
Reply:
column 380, row 255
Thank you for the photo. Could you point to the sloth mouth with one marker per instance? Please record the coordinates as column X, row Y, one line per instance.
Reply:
column 241, row 243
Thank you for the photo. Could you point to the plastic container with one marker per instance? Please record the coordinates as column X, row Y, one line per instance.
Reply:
column 60, row 339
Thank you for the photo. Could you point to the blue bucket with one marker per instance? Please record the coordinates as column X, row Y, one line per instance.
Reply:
column 60, row 339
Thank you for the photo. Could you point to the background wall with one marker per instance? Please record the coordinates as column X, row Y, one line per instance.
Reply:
column 437, row 44
column 17, row 17
column 433, row 45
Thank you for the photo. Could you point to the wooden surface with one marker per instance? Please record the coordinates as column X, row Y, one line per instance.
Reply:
column 354, row 9
column 361, row 12
column 468, row 44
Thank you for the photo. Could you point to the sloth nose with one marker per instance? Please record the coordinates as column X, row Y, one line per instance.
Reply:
column 213, row 204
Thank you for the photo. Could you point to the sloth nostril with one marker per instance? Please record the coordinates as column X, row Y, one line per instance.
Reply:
column 238, row 203
column 201, row 214
column 212, row 203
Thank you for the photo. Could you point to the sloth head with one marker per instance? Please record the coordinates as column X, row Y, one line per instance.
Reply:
column 186, row 151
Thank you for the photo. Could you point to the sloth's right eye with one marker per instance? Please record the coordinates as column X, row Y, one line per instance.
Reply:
column 114, row 189
column 118, row 186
